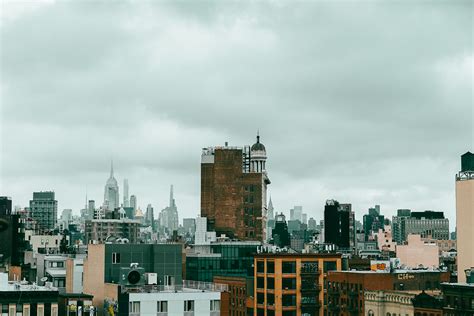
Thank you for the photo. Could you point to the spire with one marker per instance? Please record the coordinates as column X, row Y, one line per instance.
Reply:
column 270, row 204
column 111, row 168
column 258, row 136
column 171, row 196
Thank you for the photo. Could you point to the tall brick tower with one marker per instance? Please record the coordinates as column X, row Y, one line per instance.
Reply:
column 234, row 190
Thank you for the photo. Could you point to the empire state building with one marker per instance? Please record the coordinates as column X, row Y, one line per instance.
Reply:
column 111, row 191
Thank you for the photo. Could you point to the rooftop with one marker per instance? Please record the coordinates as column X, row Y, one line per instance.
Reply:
column 187, row 286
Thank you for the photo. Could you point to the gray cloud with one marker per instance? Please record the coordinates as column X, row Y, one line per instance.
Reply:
column 365, row 103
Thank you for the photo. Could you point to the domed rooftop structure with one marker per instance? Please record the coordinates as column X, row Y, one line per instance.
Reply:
column 258, row 156
column 139, row 213
column 258, row 146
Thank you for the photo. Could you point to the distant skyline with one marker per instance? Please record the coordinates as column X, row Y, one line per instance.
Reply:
column 363, row 103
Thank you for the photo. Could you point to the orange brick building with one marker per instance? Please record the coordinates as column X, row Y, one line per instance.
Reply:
column 291, row 284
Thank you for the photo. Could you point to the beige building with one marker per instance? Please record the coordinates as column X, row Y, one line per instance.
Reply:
column 384, row 239
column 50, row 243
column 94, row 275
column 381, row 303
column 465, row 215
column 418, row 252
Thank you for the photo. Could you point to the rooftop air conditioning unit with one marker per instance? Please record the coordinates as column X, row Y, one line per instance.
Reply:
column 151, row 278
column 133, row 276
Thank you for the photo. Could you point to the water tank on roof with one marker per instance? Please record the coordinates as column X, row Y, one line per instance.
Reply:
column 467, row 162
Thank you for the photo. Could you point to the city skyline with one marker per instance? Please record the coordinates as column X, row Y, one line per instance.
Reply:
column 392, row 139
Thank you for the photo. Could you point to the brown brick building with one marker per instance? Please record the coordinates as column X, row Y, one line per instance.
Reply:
column 234, row 190
column 346, row 288
column 237, row 294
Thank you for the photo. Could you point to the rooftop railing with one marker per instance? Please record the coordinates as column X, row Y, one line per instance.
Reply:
column 186, row 285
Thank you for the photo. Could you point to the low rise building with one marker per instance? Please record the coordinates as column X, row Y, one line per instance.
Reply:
column 103, row 268
column 292, row 284
column 346, row 288
column 458, row 299
column 388, row 302
column 43, row 243
column 238, row 288
column 426, row 304
column 72, row 304
column 418, row 253
column 52, row 268
column 18, row 298
column 189, row 299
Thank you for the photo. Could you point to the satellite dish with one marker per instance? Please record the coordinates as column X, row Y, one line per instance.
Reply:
column 44, row 279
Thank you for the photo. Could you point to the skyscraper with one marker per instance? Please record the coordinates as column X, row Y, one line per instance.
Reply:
column 126, row 201
column 465, row 215
column 337, row 220
column 149, row 216
column 12, row 234
column 234, row 190
column 169, row 215
column 44, row 210
column 373, row 221
column 296, row 213
column 90, row 209
column 270, row 214
column 133, row 202
column 111, row 192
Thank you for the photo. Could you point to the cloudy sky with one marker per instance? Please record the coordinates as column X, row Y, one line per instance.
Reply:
column 366, row 103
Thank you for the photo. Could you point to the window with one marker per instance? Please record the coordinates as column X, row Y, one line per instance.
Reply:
column 270, row 299
column 260, row 266
column 54, row 310
column 134, row 308
column 57, row 264
column 270, row 266
column 162, row 306
column 215, row 305
column 289, row 300
column 115, row 257
column 270, row 283
column 288, row 283
column 59, row 282
column 329, row 266
column 288, row 267
column 260, row 298
column 260, row 283
column 19, row 309
column 189, row 306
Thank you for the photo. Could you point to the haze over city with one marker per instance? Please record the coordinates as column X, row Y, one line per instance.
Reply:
column 156, row 82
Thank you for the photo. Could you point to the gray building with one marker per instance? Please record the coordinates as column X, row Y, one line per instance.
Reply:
column 427, row 224
column 44, row 210
column 398, row 225
column 189, row 226
column 102, row 230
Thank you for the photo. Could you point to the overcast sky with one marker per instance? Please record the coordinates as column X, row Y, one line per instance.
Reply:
column 365, row 103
